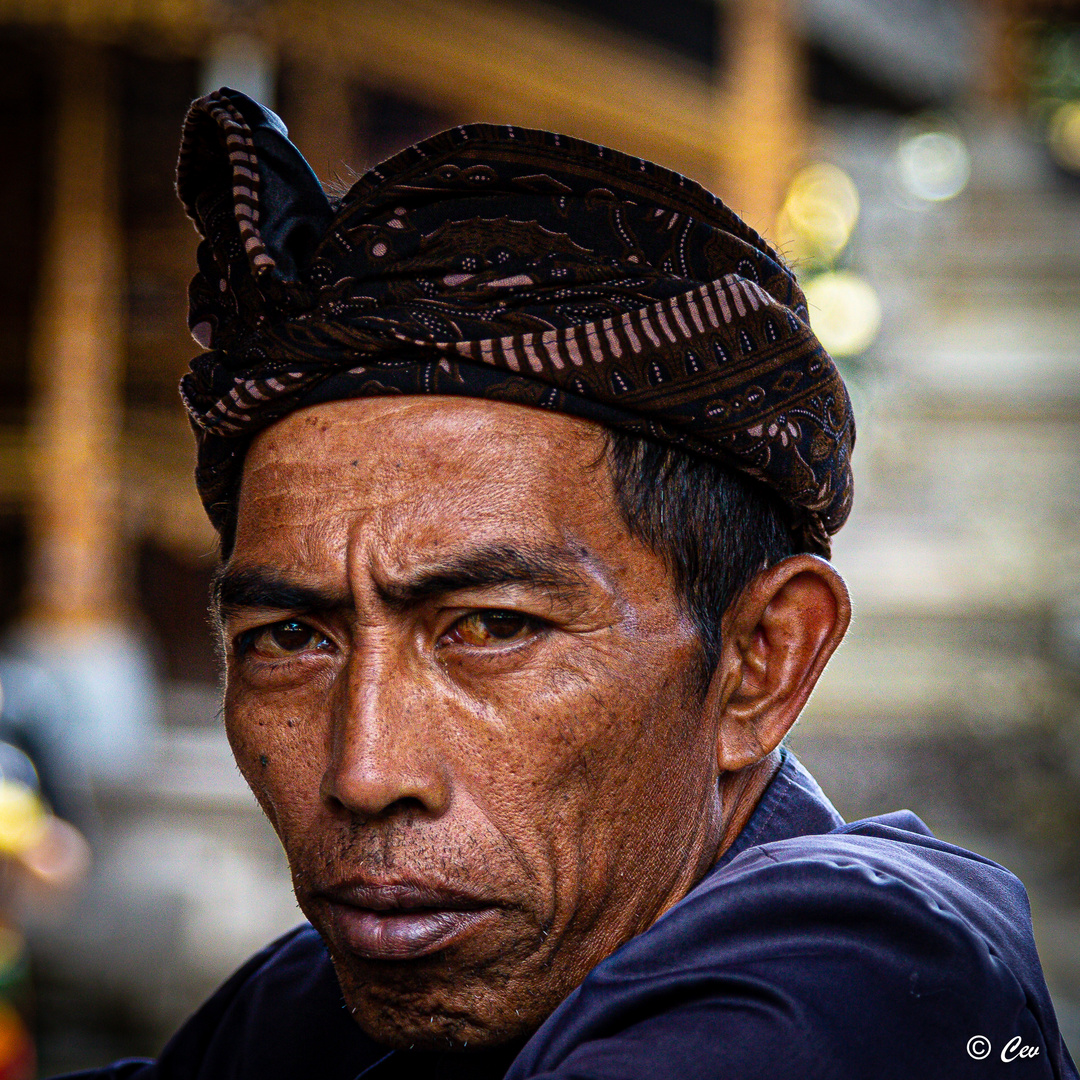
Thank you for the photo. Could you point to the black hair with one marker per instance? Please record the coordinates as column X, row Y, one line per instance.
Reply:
column 715, row 528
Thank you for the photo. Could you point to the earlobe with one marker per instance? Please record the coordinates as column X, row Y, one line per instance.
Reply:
column 778, row 636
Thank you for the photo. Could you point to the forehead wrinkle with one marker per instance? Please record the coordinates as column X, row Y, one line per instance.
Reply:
column 420, row 500
column 282, row 514
column 408, row 546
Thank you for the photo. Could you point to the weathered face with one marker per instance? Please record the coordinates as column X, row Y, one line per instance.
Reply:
column 468, row 702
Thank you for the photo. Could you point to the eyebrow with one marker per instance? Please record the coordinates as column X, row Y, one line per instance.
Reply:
column 239, row 589
column 551, row 569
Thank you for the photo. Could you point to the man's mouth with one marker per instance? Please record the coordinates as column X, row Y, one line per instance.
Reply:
column 401, row 921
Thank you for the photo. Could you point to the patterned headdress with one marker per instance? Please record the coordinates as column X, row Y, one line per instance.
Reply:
column 502, row 263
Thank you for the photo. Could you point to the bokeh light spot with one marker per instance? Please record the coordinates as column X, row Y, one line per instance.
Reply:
column 845, row 311
column 819, row 213
column 1064, row 134
column 934, row 165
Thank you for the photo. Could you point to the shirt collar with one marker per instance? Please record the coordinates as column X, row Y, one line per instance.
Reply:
column 793, row 805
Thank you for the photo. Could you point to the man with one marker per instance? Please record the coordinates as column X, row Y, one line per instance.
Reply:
column 524, row 461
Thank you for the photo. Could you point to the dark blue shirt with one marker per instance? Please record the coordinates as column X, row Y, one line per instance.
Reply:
column 813, row 950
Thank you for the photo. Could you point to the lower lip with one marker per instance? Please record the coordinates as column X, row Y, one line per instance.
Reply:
column 403, row 935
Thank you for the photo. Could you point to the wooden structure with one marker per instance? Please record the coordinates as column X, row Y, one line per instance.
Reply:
column 99, row 458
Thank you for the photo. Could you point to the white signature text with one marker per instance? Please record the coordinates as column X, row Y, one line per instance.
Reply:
column 979, row 1048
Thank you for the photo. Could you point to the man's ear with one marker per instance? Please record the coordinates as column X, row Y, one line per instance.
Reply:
column 777, row 637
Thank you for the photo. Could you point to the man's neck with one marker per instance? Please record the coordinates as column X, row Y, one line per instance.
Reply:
column 740, row 793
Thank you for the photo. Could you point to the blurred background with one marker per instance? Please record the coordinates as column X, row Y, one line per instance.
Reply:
column 918, row 161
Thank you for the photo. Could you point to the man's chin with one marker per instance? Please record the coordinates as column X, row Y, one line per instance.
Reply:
column 444, row 1036
column 429, row 1020
column 439, row 1001
column 474, row 979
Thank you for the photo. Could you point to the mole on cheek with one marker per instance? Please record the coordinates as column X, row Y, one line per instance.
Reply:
column 264, row 760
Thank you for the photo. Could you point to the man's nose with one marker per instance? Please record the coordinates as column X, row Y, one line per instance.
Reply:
column 383, row 758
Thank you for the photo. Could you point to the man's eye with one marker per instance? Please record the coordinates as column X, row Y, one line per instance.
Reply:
column 491, row 628
column 280, row 639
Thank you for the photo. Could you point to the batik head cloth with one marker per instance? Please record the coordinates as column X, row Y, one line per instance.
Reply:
column 503, row 263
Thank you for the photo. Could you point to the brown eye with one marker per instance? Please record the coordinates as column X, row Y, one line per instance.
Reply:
column 492, row 627
column 280, row 639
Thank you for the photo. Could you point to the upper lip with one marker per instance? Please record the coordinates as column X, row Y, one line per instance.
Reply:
column 402, row 896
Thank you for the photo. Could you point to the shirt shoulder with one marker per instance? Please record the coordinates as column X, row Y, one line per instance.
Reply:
column 870, row 950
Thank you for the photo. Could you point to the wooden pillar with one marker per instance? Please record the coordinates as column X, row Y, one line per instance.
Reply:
column 761, row 107
column 1006, row 55
column 75, row 528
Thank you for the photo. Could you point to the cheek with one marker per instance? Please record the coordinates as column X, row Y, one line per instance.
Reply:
column 571, row 748
column 279, row 752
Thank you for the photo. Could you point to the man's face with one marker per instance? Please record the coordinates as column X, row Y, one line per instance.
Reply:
column 469, row 702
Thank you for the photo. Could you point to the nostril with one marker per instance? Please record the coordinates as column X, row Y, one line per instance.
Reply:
column 405, row 807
